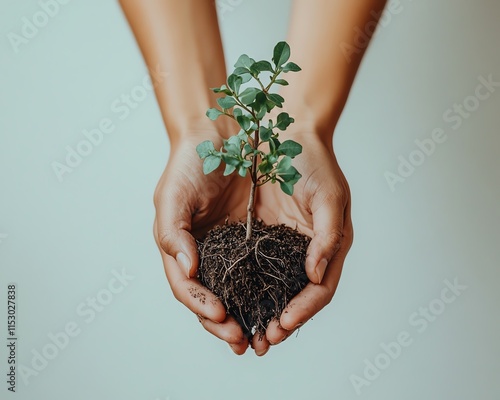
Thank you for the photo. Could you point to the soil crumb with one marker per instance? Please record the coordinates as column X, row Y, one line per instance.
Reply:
column 254, row 279
column 194, row 292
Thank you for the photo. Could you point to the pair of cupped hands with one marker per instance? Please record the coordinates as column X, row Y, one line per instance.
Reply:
column 189, row 203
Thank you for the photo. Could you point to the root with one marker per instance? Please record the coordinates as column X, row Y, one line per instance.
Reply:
column 253, row 278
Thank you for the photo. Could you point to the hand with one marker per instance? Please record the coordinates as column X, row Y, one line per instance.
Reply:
column 321, row 208
column 188, row 204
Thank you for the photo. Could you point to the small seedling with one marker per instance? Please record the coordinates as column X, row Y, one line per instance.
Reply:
column 247, row 152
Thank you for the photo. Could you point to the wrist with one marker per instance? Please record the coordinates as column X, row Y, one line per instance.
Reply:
column 198, row 130
column 318, row 121
column 307, row 132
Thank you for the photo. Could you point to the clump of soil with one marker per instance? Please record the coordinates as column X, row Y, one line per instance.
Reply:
column 254, row 279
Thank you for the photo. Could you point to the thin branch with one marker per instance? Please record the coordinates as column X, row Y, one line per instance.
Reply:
column 260, row 83
column 273, row 79
column 251, row 200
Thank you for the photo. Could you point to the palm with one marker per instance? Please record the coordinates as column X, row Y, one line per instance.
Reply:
column 319, row 208
column 188, row 204
column 320, row 180
column 208, row 199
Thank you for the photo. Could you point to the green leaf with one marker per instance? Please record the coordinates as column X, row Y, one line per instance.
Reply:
column 291, row 67
column 205, row 148
column 270, row 105
column 222, row 89
column 229, row 169
column 213, row 113
column 284, row 120
column 281, row 54
column 265, row 167
column 232, row 149
column 261, row 66
column 242, row 171
column 261, row 98
column 248, row 95
column 231, row 160
column 274, row 144
column 244, row 61
column 259, row 105
column 226, row 102
column 244, row 122
column 246, row 78
column 233, row 146
column 261, row 113
column 276, row 99
column 247, row 148
column 246, row 164
column 234, row 140
column 281, row 82
column 287, row 188
column 237, row 112
column 290, row 148
column 234, row 82
column 210, row 164
column 290, row 175
column 284, row 164
column 265, row 133
column 243, row 136
column 241, row 71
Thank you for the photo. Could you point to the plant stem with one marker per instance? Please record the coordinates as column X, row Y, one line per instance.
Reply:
column 251, row 202
column 275, row 75
column 253, row 188
column 261, row 84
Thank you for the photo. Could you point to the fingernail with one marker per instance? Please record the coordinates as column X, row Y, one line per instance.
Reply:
column 184, row 262
column 260, row 353
column 321, row 268
column 278, row 342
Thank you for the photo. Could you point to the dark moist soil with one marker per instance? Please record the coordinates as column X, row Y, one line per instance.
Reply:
column 254, row 279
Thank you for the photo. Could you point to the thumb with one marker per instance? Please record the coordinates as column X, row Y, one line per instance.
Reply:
column 173, row 227
column 328, row 225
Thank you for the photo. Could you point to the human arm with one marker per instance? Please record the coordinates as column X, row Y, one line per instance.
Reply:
column 183, row 39
column 320, row 33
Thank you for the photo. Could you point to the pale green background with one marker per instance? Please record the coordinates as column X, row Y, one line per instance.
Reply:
column 65, row 239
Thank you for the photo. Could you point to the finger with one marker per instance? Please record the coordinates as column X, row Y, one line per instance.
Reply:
column 229, row 331
column 239, row 349
column 328, row 225
column 191, row 293
column 276, row 334
column 314, row 297
column 260, row 344
column 173, row 228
